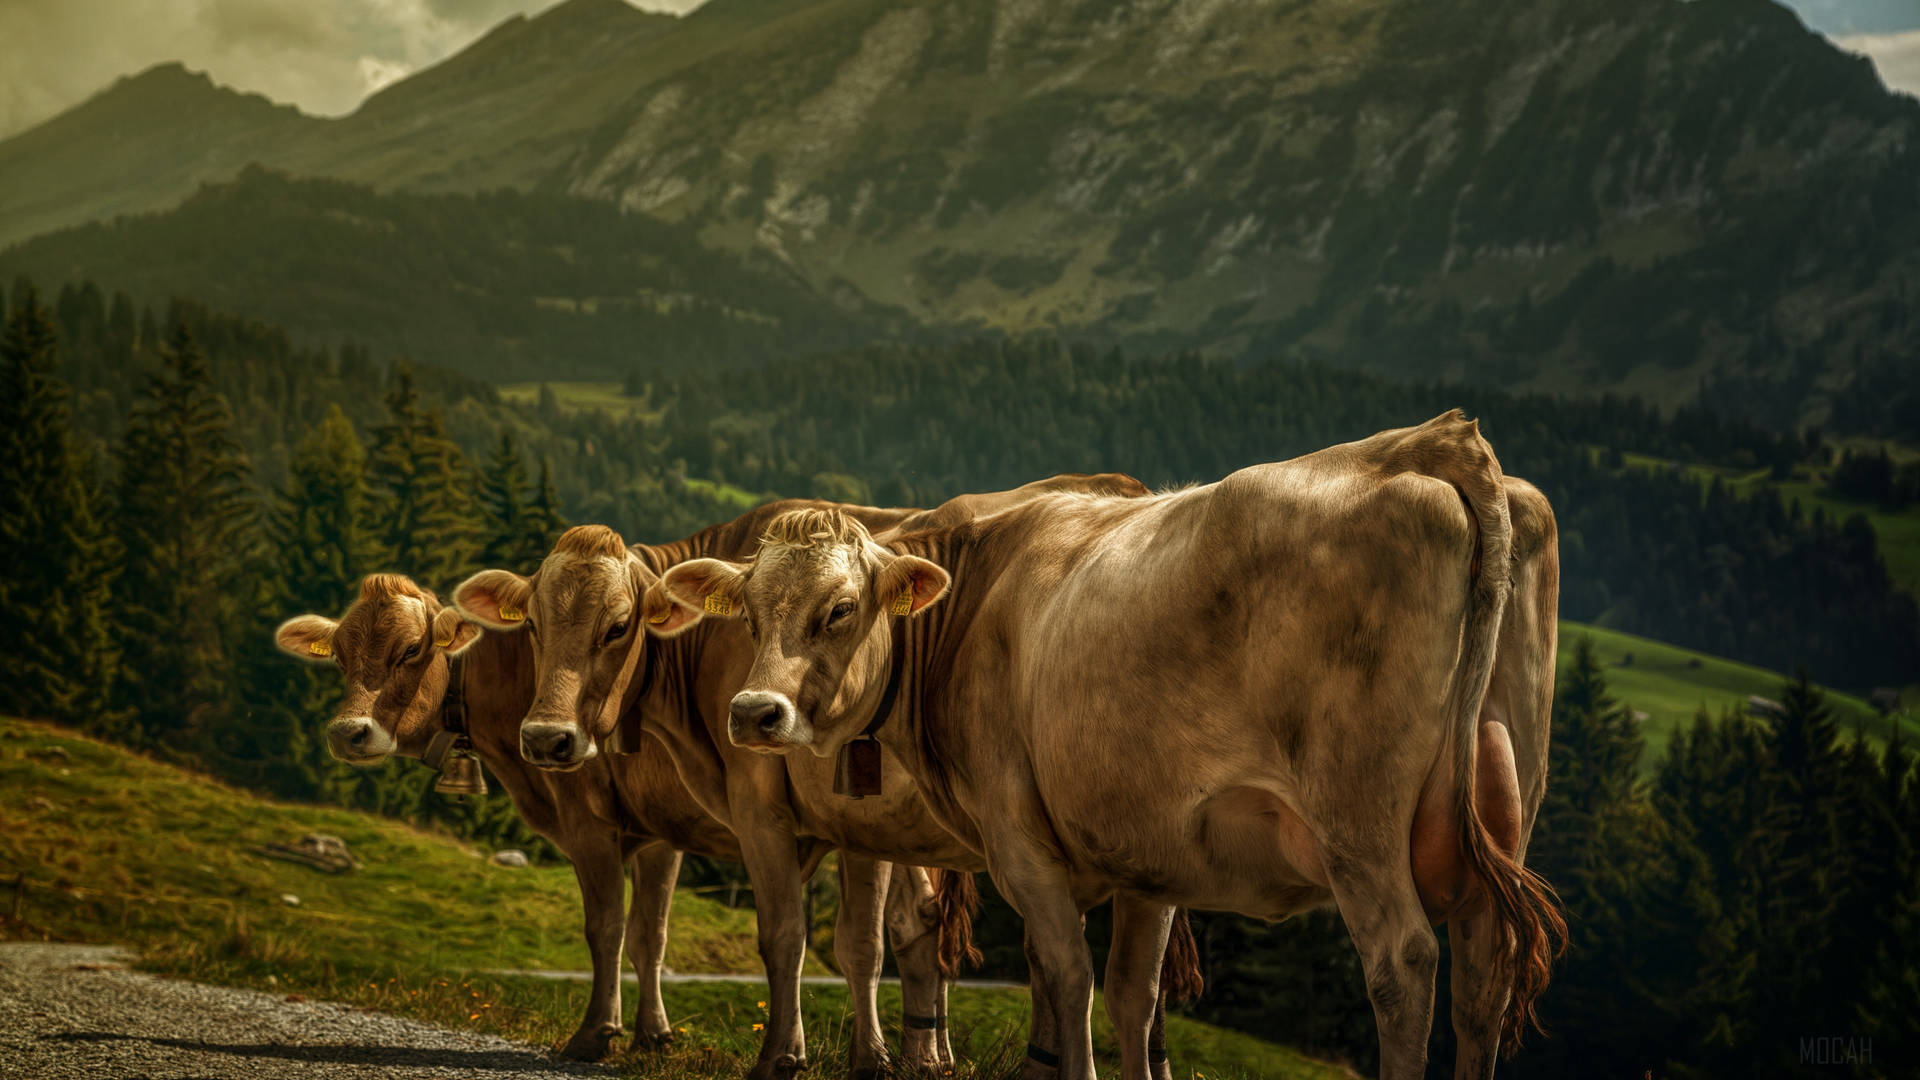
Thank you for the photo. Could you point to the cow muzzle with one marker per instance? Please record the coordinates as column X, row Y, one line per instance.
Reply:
column 357, row 740
column 767, row 722
column 559, row 747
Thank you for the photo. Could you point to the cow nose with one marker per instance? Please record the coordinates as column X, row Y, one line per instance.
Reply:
column 358, row 740
column 554, row 745
column 760, row 716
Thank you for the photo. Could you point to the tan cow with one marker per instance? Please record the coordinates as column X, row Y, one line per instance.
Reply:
column 1260, row 696
column 583, row 608
column 629, row 808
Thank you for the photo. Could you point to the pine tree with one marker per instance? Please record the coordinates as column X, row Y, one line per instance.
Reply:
column 183, row 519
column 1808, row 878
column 546, row 507
column 320, row 543
column 57, row 657
column 517, row 535
column 1598, row 843
column 424, row 517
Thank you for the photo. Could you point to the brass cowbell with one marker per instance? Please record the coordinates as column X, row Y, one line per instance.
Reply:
column 461, row 775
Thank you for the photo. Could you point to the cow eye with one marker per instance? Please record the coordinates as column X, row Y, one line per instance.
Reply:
column 412, row 653
column 840, row 611
column 615, row 633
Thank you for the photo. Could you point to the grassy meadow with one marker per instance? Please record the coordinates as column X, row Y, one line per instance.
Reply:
column 1670, row 685
column 115, row 847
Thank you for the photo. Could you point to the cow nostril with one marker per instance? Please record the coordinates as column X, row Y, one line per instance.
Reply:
column 562, row 747
column 360, row 736
column 763, row 716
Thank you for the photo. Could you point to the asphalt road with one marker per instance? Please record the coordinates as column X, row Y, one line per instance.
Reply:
column 73, row 1011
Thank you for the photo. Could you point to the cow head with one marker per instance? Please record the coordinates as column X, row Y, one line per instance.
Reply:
column 393, row 645
column 583, row 609
column 818, row 600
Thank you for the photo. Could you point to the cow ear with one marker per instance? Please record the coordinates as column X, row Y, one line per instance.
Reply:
column 665, row 616
column 909, row 584
column 454, row 633
column 496, row 599
column 308, row 637
column 707, row 586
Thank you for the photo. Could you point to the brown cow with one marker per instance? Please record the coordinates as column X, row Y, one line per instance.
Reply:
column 1259, row 696
column 629, row 808
column 583, row 608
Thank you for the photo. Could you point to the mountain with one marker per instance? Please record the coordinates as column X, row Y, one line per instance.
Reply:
column 146, row 141
column 1675, row 198
column 1562, row 193
column 503, row 285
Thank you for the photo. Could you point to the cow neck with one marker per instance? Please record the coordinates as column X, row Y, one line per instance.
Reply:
column 453, row 703
column 896, row 671
column 934, row 633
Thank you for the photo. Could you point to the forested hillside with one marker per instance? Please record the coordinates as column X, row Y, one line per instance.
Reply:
column 1758, row 577
column 499, row 286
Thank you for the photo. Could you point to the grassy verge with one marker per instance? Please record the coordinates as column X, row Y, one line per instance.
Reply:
column 1671, row 684
column 115, row 847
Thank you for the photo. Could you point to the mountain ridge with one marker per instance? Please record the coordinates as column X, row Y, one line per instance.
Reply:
column 1566, row 194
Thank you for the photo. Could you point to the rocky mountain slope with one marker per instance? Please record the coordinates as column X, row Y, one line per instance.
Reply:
column 1563, row 193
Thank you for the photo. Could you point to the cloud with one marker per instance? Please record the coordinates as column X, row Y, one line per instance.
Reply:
column 1897, row 56
column 324, row 57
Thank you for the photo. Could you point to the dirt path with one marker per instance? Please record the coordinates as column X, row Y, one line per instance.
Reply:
column 74, row 1011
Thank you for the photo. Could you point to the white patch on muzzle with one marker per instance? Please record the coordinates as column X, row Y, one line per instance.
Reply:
column 556, row 747
column 766, row 721
column 357, row 740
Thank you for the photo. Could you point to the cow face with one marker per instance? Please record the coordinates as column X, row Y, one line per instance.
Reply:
column 582, row 608
column 392, row 645
column 818, row 601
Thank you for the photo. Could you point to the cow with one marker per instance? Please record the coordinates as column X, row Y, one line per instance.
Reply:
column 401, row 650
column 1301, row 685
column 591, row 609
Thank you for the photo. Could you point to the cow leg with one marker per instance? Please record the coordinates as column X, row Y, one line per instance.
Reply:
column 1039, row 890
column 1140, row 930
column 916, row 952
column 656, row 869
column 1043, row 1035
column 773, row 867
column 603, row 893
column 1157, row 1061
column 856, row 945
column 1479, row 1001
column 1398, row 954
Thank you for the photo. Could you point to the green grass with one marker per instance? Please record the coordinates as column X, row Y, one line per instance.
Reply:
column 118, row 848
column 607, row 397
column 1671, row 684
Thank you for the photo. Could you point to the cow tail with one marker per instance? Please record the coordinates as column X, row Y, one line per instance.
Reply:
column 1180, row 978
column 956, row 896
column 1525, row 911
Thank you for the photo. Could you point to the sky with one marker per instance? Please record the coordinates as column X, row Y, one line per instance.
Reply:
column 326, row 56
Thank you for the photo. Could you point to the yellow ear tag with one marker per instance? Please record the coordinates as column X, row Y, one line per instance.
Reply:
column 509, row 613
column 656, row 620
column 903, row 604
column 443, row 642
column 320, row 648
column 719, row 604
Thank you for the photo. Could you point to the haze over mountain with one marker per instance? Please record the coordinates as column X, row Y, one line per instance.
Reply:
column 1565, row 193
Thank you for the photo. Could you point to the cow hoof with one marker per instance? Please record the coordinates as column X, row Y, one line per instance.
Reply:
column 784, row 1067
column 662, row 1040
column 590, row 1044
